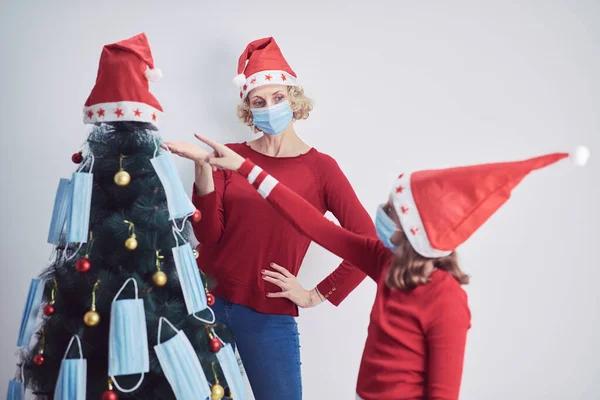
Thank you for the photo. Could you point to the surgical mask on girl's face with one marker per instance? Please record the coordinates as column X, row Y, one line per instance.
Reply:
column 273, row 120
column 385, row 228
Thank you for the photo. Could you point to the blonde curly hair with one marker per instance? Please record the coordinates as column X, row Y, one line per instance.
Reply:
column 300, row 104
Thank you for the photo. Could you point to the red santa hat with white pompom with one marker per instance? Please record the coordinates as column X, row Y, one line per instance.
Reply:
column 441, row 209
column 262, row 63
column 122, row 89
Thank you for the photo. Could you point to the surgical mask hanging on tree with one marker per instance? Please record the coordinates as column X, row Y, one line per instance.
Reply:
column 78, row 219
column 72, row 377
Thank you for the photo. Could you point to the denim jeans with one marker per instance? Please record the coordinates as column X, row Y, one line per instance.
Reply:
column 269, row 347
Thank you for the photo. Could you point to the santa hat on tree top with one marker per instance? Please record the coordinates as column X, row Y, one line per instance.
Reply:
column 441, row 209
column 122, row 90
column 262, row 64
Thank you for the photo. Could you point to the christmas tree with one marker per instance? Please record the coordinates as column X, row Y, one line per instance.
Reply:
column 119, row 233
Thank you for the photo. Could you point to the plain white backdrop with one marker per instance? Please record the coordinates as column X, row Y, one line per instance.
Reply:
column 398, row 85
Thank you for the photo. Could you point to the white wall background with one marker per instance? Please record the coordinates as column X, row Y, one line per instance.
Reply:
column 398, row 85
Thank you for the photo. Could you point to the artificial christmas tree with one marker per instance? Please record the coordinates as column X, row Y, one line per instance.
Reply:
column 124, row 309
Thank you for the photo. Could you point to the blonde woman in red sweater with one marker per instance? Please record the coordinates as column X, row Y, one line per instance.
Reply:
column 241, row 235
column 420, row 318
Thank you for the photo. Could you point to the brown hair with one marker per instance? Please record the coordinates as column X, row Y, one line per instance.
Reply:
column 300, row 104
column 408, row 269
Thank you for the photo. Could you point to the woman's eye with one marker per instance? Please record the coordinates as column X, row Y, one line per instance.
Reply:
column 257, row 104
column 279, row 98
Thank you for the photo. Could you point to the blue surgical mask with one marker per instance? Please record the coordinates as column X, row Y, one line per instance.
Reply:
column 232, row 372
column 273, row 120
column 128, row 340
column 190, row 280
column 385, row 228
column 181, row 366
column 16, row 389
column 62, row 205
column 78, row 220
column 178, row 202
column 30, row 313
column 72, row 377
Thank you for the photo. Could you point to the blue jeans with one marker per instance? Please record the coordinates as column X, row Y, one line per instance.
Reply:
column 269, row 347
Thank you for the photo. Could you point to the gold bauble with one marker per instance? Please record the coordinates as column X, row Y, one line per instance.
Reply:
column 131, row 243
column 196, row 254
column 91, row 318
column 159, row 278
column 217, row 392
column 122, row 178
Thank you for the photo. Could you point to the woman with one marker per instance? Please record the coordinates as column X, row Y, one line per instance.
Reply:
column 253, row 253
column 420, row 318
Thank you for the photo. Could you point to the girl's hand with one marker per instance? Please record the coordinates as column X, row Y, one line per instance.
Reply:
column 222, row 156
column 291, row 289
column 188, row 150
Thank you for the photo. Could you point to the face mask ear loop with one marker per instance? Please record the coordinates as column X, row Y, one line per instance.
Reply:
column 75, row 337
column 74, row 254
column 204, row 320
column 160, row 321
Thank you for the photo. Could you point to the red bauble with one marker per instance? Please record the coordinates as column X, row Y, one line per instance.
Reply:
column 83, row 265
column 38, row 359
column 48, row 310
column 215, row 345
column 196, row 216
column 77, row 157
column 109, row 395
column 210, row 299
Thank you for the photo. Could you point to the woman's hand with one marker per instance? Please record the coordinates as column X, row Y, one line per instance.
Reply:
column 290, row 287
column 187, row 150
column 222, row 156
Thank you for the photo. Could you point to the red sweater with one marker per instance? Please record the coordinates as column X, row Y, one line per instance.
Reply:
column 240, row 234
column 416, row 341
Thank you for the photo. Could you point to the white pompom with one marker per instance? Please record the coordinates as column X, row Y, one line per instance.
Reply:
column 154, row 75
column 239, row 80
column 580, row 156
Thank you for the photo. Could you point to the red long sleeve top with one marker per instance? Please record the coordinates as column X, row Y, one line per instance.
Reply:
column 416, row 339
column 240, row 234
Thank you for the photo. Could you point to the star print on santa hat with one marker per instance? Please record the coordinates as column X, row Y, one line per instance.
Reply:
column 122, row 84
column 444, row 207
column 262, row 63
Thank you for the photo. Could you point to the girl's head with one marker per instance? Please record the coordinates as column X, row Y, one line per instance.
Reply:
column 410, row 269
column 276, row 107
column 270, row 96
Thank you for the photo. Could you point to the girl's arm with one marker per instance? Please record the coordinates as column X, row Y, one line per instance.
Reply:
column 365, row 252
column 207, row 197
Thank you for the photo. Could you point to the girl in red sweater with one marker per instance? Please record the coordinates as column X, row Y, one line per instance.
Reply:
column 240, row 234
column 420, row 318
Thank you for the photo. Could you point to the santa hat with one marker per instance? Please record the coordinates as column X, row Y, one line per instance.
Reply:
column 262, row 64
column 122, row 90
column 441, row 209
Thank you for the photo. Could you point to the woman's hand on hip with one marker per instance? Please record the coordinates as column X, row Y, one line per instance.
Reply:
column 291, row 289
column 222, row 156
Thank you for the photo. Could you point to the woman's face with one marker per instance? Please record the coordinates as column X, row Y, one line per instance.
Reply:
column 268, row 95
column 390, row 210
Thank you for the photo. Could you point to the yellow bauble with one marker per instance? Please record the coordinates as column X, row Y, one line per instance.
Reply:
column 122, row 178
column 196, row 254
column 159, row 278
column 91, row 318
column 131, row 243
column 217, row 392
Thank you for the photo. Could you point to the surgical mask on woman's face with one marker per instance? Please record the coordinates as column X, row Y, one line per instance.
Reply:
column 273, row 120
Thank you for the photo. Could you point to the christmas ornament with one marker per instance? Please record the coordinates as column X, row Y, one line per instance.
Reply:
column 159, row 278
column 38, row 359
column 83, row 264
column 196, row 254
column 210, row 299
column 77, row 158
column 131, row 243
column 214, row 344
column 217, row 392
column 109, row 394
column 196, row 216
column 48, row 310
column 92, row 318
column 122, row 178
